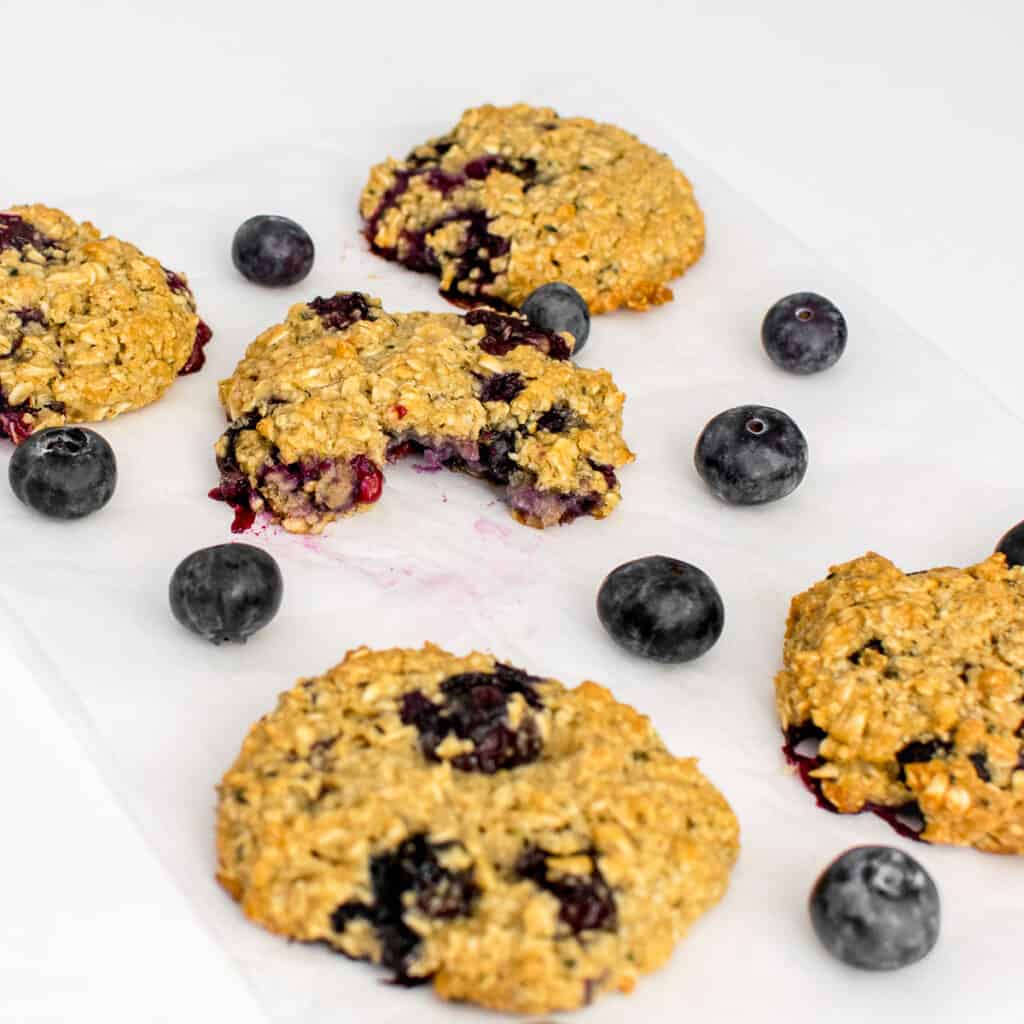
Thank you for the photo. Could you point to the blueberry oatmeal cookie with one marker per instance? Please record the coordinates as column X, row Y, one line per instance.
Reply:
column 90, row 327
column 521, row 845
column 320, row 403
column 912, row 688
column 514, row 197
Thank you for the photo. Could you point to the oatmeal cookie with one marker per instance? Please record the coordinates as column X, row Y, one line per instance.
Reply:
column 521, row 845
column 912, row 687
column 514, row 197
column 320, row 403
column 89, row 326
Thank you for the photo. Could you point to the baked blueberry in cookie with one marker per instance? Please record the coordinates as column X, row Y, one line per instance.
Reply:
column 903, row 694
column 520, row 845
column 90, row 327
column 516, row 197
column 320, row 403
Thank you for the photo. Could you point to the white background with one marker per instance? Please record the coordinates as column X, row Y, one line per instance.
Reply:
column 887, row 136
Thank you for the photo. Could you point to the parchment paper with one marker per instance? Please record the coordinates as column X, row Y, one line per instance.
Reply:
column 908, row 456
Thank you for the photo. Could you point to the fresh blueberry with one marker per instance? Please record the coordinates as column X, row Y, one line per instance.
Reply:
column 227, row 592
column 64, row 472
column 804, row 333
column 875, row 907
column 751, row 454
column 559, row 307
column 1012, row 545
column 661, row 608
column 272, row 250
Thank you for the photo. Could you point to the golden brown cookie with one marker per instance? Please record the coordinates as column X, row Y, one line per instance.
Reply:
column 89, row 326
column 322, row 401
column 523, row 846
column 912, row 685
column 515, row 197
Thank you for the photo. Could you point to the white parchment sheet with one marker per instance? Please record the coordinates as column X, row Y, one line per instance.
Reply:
column 908, row 456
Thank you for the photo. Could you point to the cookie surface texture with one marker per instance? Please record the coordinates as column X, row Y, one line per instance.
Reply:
column 914, row 686
column 523, row 846
column 90, row 327
column 320, row 402
column 515, row 197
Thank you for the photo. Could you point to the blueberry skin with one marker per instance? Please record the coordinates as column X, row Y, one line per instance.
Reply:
column 804, row 333
column 661, row 608
column 876, row 908
column 751, row 454
column 559, row 307
column 64, row 472
column 272, row 250
column 227, row 592
column 1011, row 544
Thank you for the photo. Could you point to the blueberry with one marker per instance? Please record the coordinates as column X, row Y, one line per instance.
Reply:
column 341, row 310
column 227, row 592
column 474, row 707
column 272, row 250
column 559, row 307
column 661, row 608
column 409, row 879
column 875, row 907
column 504, row 333
column 751, row 454
column 804, row 333
column 586, row 902
column 64, row 472
column 1012, row 545
column 501, row 387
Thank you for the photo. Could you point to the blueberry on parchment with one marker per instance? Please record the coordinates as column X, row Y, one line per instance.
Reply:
column 64, row 472
column 272, row 250
column 661, row 608
column 875, row 907
column 227, row 592
column 804, row 333
column 751, row 454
